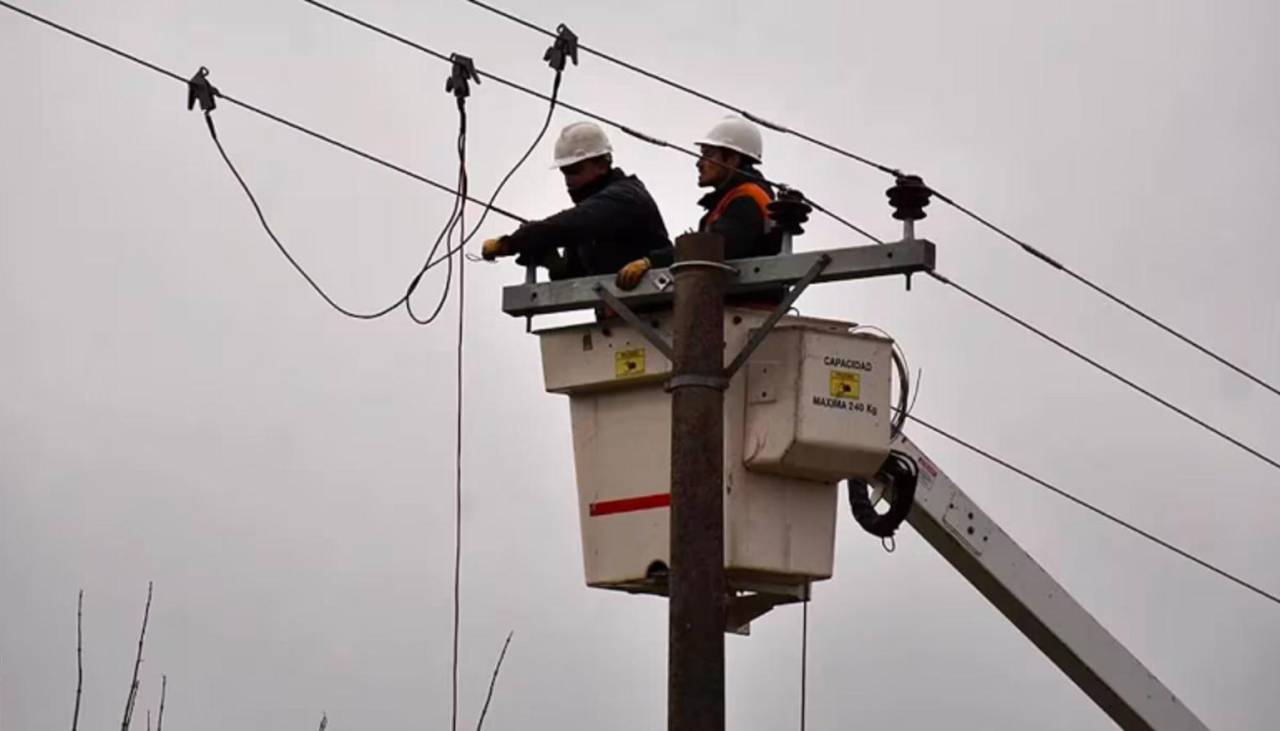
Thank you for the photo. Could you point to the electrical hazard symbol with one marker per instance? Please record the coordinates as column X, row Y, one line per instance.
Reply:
column 627, row 363
column 845, row 384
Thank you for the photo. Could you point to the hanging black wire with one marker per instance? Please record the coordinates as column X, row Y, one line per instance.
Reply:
column 455, row 217
column 457, row 457
column 804, row 658
column 276, row 240
column 542, row 132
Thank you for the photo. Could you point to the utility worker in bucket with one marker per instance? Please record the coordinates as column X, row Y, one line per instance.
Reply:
column 737, row 204
column 614, row 220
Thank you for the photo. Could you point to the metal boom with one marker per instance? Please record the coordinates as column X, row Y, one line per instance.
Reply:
column 1039, row 607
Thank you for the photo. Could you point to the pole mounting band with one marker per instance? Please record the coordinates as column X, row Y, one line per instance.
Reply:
column 719, row 383
column 702, row 263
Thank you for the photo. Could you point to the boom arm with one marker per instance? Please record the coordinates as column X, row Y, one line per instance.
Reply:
column 1039, row 607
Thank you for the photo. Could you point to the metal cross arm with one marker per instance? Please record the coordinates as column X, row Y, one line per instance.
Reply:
column 754, row 275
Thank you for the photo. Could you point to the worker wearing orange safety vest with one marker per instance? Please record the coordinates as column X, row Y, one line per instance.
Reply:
column 736, row 206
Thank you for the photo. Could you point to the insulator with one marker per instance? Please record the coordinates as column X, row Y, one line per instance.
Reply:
column 909, row 197
column 789, row 211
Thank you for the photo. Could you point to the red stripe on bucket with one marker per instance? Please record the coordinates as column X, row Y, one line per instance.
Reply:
column 630, row 504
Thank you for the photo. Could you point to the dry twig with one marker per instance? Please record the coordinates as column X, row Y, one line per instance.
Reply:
column 164, row 687
column 75, row 715
column 494, row 680
column 137, row 664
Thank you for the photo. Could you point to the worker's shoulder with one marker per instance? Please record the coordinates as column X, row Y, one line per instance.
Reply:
column 626, row 187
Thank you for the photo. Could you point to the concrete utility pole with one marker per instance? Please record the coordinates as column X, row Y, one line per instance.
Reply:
column 698, row 594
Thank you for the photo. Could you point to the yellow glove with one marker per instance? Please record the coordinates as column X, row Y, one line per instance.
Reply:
column 493, row 248
column 630, row 275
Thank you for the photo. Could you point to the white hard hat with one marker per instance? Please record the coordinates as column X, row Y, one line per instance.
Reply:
column 737, row 134
column 581, row 141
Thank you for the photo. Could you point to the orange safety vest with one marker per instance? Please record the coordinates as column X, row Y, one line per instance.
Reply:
column 742, row 190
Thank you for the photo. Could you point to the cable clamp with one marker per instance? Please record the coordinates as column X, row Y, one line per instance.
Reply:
column 460, row 78
column 764, row 122
column 644, row 137
column 200, row 90
column 564, row 48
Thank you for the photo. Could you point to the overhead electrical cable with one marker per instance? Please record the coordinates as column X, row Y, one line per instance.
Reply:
column 1104, row 369
column 694, row 92
column 1096, row 510
column 257, row 110
column 755, row 175
column 897, row 173
column 440, row 186
column 401, row 39
column 427, row 264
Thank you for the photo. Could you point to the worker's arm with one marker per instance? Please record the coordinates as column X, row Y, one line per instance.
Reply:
column 584, row 223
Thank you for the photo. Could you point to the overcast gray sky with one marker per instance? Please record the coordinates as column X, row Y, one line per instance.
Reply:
column 179, row 407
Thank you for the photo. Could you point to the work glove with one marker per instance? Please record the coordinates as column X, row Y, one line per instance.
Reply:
column 494, row 248
column 630, row 275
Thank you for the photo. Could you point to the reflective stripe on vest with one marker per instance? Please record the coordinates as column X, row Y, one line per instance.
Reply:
column 743, row 190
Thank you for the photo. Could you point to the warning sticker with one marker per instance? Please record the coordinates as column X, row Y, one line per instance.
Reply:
column 627, row 363
column 845, row 384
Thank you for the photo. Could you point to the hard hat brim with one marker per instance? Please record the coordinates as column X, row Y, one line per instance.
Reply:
column 572, row 159
column 725, row 146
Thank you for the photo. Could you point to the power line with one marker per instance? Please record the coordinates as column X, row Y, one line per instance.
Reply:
column 428, row 264
column 830, row 147
column 463, row 196
column 1099, row 511
column 373, row 27
column 254, row 109
column 694, row 92
column 1099, row 289
column 1108, row 371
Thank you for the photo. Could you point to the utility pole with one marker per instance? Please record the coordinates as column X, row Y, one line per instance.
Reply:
column 698, row 594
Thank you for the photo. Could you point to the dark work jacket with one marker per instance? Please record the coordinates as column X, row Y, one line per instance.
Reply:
column 741, row 224
column 614, row 222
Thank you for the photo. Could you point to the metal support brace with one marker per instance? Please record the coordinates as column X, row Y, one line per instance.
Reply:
column 763, row 331
column 530, row 277
column 744, row 608
column 634, row 320
column 758, row 274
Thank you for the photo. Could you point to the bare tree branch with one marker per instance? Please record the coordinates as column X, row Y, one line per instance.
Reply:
column 75, row 715
column 137, row 664
column 324, row 720
column 164, row 686
column 494, row 681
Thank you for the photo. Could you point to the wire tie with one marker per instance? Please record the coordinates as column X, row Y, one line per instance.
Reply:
column 764, row 122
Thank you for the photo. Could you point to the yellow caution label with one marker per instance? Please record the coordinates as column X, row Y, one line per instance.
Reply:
column 845, row 384
column 628, row 363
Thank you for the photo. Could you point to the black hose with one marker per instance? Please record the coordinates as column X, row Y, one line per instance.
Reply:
column 898, row 474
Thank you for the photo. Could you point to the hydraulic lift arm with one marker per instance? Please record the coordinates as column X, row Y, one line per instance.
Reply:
column 1038, row 606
